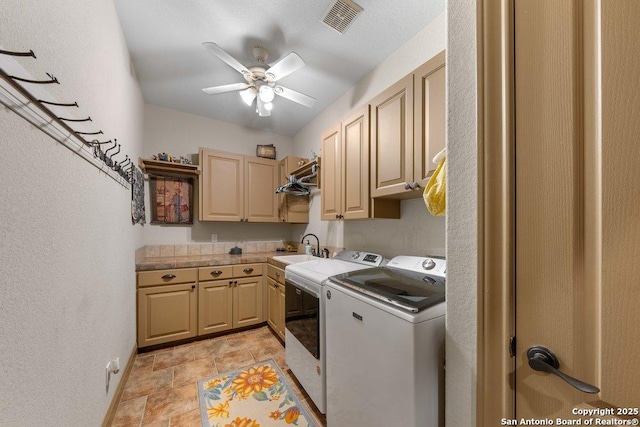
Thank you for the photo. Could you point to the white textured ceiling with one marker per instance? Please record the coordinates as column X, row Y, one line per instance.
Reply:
column 165, row 37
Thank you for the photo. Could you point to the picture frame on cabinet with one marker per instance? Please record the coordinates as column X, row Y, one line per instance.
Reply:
column 171, row 200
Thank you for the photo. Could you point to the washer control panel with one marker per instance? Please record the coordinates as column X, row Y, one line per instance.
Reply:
column 365, row 258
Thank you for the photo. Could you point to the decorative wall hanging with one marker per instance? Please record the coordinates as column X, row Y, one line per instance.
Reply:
column 137, row 197
column 171, row 200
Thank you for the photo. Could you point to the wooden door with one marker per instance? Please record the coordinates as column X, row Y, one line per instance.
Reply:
column 281, row 312
column 261, row 180
column 355, row 164
column 273, row 316
column 166, row 313
column 430, row 116
column 215, row 306
column 577, row 100
column 392, row 140
column 247, row 301
column 331, row 195
column 221, row 186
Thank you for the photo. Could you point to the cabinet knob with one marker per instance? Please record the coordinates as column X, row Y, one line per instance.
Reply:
column 277, row 274
column 169, row 276
column 216, row 272
column 235, row 282
column 407, row 186
column 415, row 186
column 231, row 282
column 193, row 286
column 248, row 270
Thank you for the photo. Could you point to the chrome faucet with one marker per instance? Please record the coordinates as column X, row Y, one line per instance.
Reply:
column 315, row 252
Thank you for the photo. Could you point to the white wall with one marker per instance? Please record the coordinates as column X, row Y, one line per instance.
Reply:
column 67, row 294
column 462, row 215
column 417, row 233
column 181, row 134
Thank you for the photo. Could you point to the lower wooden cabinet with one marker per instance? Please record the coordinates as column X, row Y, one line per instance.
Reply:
column 215, row 306
column 276, row 300
column 232, row 302
column 275, row 318
column 170, row 311
column 166, row 313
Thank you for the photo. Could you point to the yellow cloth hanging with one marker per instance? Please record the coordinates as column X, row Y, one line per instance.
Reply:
column 435, row 193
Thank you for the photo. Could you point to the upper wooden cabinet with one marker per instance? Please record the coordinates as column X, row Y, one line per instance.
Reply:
column 331, row 195
column 261, row 180
column 408, row 123
column 292, row 209
column 430, row 116
column 237, row 188
column 392, row 139
column 345, row 178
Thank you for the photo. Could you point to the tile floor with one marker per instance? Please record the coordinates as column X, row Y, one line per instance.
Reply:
column 162, row 387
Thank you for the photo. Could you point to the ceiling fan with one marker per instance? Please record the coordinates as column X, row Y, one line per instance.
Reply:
column 261, row 80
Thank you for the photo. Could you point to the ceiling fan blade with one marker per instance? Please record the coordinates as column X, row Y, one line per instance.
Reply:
column 225, row 88
column 230, row 60
column 294, row 96
column 287, row 65
column 263, row 111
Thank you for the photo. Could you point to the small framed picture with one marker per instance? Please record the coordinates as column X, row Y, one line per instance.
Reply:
column 266, row 151
column 171, row 200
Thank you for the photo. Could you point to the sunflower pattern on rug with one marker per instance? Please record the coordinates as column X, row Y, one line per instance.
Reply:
column 255, row 396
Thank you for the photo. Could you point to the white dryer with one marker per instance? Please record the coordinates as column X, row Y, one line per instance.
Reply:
column 385, row 331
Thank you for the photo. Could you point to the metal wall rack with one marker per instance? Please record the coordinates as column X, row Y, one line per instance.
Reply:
column 27, row 97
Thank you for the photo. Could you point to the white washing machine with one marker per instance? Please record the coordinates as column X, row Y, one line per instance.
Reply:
column 385, row 331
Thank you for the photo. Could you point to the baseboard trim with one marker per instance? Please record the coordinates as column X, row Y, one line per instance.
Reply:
column 113, row 406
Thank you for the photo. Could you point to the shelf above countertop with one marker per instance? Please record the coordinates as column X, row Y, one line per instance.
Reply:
column 150, row 166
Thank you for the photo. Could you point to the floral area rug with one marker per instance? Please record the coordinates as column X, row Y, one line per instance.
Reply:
column 255, row 396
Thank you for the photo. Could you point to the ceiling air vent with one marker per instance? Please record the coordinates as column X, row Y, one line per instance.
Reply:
column 341, row 14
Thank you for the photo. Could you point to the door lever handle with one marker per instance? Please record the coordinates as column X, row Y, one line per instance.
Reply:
column 544, row 360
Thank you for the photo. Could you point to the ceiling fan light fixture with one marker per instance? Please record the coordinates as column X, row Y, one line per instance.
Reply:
column 266, row 94
column 248, row 95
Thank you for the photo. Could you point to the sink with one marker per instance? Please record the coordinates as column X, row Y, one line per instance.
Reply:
column 293, row 259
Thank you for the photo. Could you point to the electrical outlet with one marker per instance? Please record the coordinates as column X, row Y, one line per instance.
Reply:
column 214, row 238
column 115, row 365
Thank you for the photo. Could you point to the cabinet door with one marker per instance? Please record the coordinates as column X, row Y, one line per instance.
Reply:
column 261, row 180
column 166, row 313
column 331, row 195
column 273, row 316
column 355, row 164
column 392, row 140
column 247, row 301
column 221, row 186
column 281, row 306
column 429, row 116
column 215, row 306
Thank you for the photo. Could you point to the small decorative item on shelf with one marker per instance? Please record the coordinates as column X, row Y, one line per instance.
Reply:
column 266, row 151
column 164, row 157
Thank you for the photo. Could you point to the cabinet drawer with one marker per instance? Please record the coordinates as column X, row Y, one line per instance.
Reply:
column 167, row 277
column 247, row 270
column 275, row 273
column 215, row 273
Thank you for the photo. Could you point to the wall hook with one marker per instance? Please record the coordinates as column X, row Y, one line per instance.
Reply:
column 88, row 119
column 8, row 52
column 90, row 133
column 75, row 104
column 38, row 82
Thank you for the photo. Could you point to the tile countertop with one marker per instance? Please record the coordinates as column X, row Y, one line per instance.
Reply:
column 162, row 263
